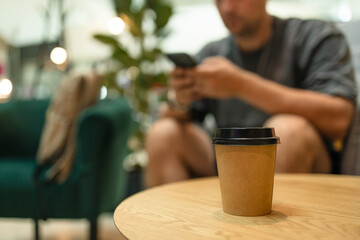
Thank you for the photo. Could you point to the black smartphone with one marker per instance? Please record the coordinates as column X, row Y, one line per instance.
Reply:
column 183, row 60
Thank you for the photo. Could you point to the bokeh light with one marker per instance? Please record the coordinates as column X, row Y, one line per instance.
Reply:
column 345, row 13
column 103, row 92
column 6, row 87
column 58, row 55
column 116, row 26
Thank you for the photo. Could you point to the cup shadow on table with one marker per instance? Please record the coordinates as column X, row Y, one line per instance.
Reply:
column 272, row 218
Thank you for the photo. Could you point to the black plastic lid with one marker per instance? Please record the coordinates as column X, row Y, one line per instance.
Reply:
column 245, row 136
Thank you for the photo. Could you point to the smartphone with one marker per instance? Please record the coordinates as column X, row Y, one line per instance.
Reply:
column 183, row 60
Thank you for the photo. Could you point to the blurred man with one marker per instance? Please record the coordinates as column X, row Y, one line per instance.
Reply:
column 293, row 75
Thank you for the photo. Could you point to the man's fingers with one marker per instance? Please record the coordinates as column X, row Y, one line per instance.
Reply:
column 180, row 81
column 178, row 72
column 179, row 84
column 185, row 96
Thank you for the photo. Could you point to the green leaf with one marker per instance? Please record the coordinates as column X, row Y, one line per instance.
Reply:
column 134, row 24
column 123, row 57
column 163, row 14
column 154, row 3
column 152, row 55
column 161, row 79
column 122, row 5
column 157, row 51
column 163, row 32
column 109, row 81
column 138, row 20
column 107, row 39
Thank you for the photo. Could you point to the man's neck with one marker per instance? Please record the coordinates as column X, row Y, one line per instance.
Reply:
column 258, row 38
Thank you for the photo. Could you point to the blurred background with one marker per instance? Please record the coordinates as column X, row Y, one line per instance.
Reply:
column 40, row 40
column 31, row 29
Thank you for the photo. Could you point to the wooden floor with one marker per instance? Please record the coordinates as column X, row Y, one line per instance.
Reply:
column 52, row 229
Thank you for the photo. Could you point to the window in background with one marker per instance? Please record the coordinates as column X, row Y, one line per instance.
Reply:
column 194, row 23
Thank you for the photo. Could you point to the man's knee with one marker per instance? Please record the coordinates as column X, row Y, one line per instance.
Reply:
column 162, row 146
column 298, row 138
column 163, row 132
column 289, row 126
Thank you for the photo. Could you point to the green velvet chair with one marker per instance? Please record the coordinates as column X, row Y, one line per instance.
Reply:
column 98, row 181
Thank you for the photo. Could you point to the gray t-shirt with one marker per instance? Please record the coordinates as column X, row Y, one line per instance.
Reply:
column 305, row 54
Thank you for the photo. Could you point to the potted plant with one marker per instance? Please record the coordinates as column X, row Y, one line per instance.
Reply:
column 138, row 67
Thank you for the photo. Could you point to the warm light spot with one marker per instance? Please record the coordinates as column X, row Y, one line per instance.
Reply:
column 5, row 87
column 58, row 55
column 116, row 26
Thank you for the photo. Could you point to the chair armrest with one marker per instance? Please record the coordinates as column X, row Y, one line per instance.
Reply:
column 98, row 127
column 21, row 123
column 103, row 131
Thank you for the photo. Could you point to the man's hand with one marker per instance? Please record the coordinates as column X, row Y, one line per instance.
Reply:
column 217, row 77
column 181, row 94
column 182, row 86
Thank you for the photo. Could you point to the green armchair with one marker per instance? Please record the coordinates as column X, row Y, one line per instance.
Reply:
column 98, row 181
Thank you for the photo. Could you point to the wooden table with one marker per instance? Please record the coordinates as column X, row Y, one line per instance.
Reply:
column 304, row 207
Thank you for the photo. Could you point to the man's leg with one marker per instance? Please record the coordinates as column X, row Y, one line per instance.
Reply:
column 176, row 150
column 302, row 149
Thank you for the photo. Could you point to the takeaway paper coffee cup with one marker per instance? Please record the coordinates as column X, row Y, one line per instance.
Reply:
column 246, row 162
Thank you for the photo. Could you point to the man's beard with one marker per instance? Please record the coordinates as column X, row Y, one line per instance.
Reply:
column 249, row 29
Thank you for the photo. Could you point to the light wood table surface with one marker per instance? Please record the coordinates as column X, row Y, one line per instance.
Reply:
column 304, row 207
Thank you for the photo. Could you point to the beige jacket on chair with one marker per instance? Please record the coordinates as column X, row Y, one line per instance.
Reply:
column 57, row 144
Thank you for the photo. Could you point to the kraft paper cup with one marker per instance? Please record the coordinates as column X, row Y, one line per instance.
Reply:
column 246, row 162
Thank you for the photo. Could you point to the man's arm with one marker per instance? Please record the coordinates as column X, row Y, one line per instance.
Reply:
column 219, row 78
column 331, row 115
